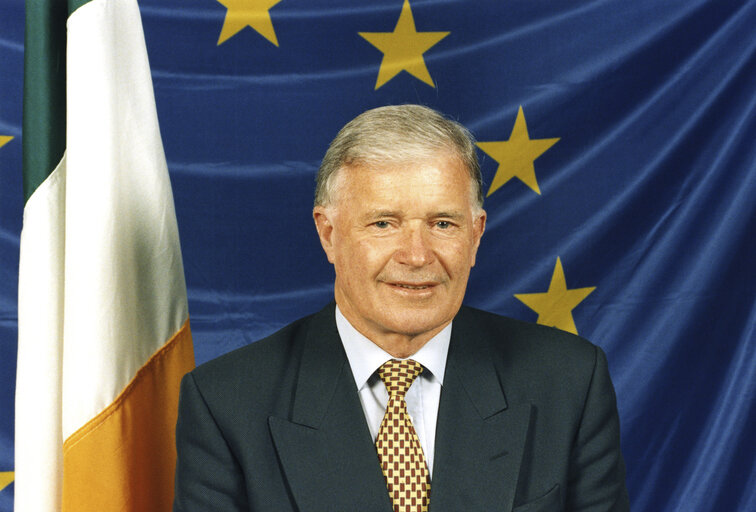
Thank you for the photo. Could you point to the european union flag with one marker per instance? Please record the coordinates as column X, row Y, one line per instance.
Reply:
column 617, row 148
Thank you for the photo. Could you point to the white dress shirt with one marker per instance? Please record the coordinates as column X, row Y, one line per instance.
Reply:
column 365, row 357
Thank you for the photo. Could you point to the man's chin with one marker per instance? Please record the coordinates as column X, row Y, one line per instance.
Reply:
column 416, row 323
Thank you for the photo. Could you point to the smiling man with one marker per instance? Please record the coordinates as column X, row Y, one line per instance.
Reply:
column 397, row 397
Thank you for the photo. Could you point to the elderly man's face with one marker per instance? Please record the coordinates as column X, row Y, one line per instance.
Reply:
column 402, row 240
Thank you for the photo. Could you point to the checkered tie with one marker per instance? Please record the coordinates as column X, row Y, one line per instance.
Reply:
column 399, row 450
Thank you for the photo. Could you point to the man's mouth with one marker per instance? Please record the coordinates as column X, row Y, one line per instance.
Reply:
column 413, row 286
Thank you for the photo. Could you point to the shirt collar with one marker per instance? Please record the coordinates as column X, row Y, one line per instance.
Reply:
column 365, row 357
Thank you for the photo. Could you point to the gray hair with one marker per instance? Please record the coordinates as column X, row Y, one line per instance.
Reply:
column 393, row 135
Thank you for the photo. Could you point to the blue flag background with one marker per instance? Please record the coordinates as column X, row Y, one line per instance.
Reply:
column 617, row 142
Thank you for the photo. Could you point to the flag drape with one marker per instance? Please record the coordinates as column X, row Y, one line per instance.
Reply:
column 103, row 319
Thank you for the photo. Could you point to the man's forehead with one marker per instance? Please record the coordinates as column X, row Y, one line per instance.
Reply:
column 439, row 190
column 448, row 167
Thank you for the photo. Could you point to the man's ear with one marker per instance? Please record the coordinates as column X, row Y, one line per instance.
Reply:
column 479, row 226
column 323, row 218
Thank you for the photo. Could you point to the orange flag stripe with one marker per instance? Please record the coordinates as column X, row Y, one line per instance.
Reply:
column 125, row 457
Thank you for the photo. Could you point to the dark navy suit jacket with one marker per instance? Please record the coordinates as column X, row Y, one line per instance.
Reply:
column 527, row 421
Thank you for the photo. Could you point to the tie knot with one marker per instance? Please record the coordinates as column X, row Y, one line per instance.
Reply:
column 398, row 375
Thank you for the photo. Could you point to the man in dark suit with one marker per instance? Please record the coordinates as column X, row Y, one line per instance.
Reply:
column 469, row 410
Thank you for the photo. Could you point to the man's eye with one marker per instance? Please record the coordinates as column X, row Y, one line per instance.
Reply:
column 381, row 224
column 443, row 224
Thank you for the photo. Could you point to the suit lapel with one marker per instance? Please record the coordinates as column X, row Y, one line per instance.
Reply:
column 479, row 438
column 326, row 450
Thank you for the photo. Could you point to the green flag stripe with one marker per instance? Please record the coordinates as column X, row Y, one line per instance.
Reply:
column 44, row 118
column 75, row 4
column 44, row 123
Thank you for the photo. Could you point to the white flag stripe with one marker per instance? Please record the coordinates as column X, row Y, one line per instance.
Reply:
column 125, row 292
column 38, row 439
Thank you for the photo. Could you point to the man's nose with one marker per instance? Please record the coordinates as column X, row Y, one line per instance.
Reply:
column 415, row 248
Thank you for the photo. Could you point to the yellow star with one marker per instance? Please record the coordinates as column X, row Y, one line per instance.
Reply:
column 403, row 48
column 516, row 155
column 6, row 477
column 5, row 139
column 555, row 306
column 240, row 13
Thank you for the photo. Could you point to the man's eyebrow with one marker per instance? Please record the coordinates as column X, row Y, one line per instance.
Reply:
column 379, row 213
column 375, row 214
column 449, row 215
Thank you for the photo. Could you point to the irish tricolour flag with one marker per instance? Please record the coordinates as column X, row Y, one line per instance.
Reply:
column 103, row 325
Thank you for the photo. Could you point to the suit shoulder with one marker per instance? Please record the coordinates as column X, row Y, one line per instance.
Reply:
column 262, row 361
column 536, row 363
column 528, row 340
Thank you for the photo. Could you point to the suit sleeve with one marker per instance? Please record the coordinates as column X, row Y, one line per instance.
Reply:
column 208, row 476
column 597, row 470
